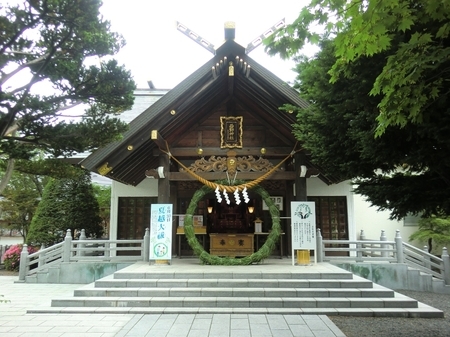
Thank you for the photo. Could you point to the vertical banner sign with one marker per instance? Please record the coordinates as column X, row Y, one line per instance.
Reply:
column 303, row 222
column 161, row 232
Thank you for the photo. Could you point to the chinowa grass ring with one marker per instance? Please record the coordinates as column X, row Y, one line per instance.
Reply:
column 206, row 258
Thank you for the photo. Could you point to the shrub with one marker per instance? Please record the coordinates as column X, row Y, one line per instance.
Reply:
column 11, row 258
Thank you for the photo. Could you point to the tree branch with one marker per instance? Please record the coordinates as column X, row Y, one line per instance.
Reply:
column 7, row 176
column 9, row 118
column 5, row 78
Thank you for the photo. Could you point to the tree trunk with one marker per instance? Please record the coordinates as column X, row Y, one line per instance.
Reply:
column 430, row 245
column 7, row 176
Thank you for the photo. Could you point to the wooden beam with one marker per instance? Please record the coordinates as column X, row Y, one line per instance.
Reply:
column 301, row 193
column 212, row 176
column 195, row 37
column 217, row 151
column 164, row 183
column 158, row 139
column 231, row 70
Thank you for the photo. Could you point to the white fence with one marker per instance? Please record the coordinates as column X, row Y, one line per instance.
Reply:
column 383, row 250
column 327, row 250
column 83, row 250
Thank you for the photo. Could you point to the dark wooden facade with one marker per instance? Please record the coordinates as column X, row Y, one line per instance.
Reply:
column 186, row 122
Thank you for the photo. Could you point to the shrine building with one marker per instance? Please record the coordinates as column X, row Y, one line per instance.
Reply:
column 224, row 123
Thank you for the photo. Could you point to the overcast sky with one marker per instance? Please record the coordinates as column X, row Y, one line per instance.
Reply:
column 157, row 51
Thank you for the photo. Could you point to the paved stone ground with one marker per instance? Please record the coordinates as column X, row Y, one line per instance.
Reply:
column 15, row 322
column 401, row 327
column 4, row 272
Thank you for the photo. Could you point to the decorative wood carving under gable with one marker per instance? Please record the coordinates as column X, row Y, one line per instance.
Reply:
column 243, row 164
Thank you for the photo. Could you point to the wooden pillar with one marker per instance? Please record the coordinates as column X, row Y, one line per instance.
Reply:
column 300, row 178
column 300, row 182
column 164, row 183
column 164, row 193
column 174, row 201
column 289, row 196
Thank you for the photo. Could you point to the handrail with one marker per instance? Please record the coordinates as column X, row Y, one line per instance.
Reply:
column 351, row 250
column 45, row 250
column 387, row 251
column 82, row 250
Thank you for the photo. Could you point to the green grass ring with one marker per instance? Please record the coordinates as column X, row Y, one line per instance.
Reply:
column 256, row 257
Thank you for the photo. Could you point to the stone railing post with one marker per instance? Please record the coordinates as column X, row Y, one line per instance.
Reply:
column 362, row 235
column 426, row 258
column 359, row 253
column 446, row 263
column 82, row 245
column 384, row 247
column 319, row 245
column 146, row 247
column 23, row 266
column 67, row 246
column 107, row 251
column 41, row 259
column 399, row 247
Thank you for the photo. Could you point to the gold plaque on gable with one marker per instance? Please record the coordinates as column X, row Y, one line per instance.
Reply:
column 104, row 169
column 231, row 132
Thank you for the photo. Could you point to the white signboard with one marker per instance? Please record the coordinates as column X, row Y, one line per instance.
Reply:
column 161, row 232
column 303, row 222
column 198, row 220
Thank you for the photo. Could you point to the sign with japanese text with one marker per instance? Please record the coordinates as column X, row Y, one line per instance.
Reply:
column 198, row 220
column 303, row 222
column 161, row 232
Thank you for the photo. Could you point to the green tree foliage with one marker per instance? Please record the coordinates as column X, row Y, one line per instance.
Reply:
column 20, row 200
column 405, row 170
column 56, row 55
column 414, row 36
column 433, row 229
column 103, row 195
column 66, row 204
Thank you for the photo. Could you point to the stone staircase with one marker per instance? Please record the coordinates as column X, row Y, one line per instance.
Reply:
column 270, row 288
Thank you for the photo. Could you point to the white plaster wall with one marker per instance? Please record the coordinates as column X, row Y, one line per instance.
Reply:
column 373, row 221
column 147, row 188
column 361, row 216
column 10, row 240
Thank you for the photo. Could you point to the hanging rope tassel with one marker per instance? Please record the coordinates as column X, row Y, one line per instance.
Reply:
column 229, row 188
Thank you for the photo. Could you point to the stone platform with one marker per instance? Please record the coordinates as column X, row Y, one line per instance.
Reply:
column 273, row 287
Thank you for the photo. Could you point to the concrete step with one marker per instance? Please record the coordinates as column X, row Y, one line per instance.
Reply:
column 233, row 283
column 422, row 311
column 229, row 275
column 234, row 292
column 275, row 288
column 237, row 302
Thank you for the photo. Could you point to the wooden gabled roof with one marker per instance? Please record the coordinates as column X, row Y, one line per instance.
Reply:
column 252, row 88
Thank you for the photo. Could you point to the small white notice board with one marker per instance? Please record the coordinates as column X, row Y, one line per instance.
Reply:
column 161, row 232
column 303, row 227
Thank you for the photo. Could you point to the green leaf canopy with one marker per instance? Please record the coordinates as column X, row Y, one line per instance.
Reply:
column 405, row 170
column 56, row 55
column 413, row 36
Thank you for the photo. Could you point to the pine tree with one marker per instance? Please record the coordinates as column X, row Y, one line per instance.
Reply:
column 47, row 50
column 66, row 204
column 433, row 230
